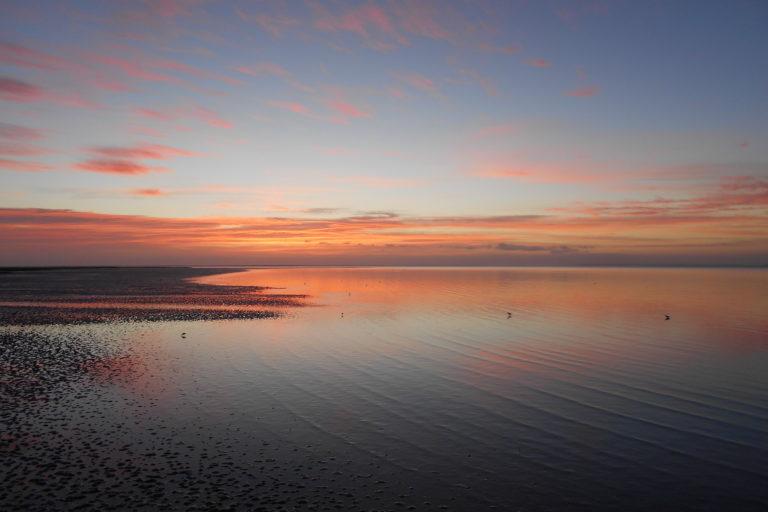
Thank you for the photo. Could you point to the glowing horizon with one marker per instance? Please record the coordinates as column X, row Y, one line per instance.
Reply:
column 383, row 132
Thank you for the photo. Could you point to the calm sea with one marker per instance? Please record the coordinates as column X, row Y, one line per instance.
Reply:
column 449, row 389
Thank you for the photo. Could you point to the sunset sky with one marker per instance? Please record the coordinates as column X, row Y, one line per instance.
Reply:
column 384, row 132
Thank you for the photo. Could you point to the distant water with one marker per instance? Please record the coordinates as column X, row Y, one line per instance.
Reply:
column 439, row 389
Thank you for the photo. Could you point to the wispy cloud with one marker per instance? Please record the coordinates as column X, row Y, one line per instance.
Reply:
column 380, row 181
column 290, row 106
column 116, row 166
column 360, row 235
column 275, row 24
column 583, row 92
column 125, row 160
column 22, row 166
column 200, row 113
column 344, row 111
column 141, row 151
column 419, row 81
column 147, row 192
column 19, row 91
column 16, row 132
column 539, row 63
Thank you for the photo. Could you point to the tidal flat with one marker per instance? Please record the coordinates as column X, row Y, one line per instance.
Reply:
column 383, row 389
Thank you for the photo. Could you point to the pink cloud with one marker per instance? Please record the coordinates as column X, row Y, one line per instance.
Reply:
column 117, row 166
column 584, row 92
column 487, row 84
column 18, row 91
column 539, row 63
column 17, row 132
column 170, row 8
column 336, row 151
column 421, row 18
column 276, row 25
column 152, row 69
column 125, row 160
column 211, row 118
column 291, row 106
column 17, row 149
column 17, row 165
column 387, row 25
column 264, row 68
column 202, row 114
column 150, row 151
column 132, row 68
column 419, row 81
column 495, row 130
column 511, row 49
column 733, row 194
column 364, row 20
column 155, row 114
column 347, row 110
column 261, row 69
column 17, row 55
column 379, row 181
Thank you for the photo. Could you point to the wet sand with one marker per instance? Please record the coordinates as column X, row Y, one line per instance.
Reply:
column 437, row 389
column 83, row 427
column 69, row 295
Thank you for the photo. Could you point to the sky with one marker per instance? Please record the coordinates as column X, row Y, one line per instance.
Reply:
column 388, row 132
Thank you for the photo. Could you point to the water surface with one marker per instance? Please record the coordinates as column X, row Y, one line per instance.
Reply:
column 436, row 389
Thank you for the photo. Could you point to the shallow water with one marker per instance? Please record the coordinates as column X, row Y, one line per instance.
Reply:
column 457, row 389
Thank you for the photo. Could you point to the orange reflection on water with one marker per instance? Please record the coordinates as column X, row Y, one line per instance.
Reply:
column 727, row 296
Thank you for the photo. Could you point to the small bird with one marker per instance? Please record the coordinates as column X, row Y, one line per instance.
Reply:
column 666, row 317
column 509, row 315
column 342, row 314
column 183, row 335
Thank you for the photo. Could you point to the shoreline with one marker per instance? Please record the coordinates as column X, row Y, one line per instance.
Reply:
column 132, row 294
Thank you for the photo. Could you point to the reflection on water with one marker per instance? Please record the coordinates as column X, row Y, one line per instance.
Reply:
column 459, row 389
column 565, row 384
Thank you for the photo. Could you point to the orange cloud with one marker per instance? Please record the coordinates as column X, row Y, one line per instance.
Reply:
column 539, row 173
column 370, row 235
column 147, row 192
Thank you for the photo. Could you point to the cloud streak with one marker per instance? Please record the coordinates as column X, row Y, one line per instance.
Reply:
column 125, row 160
column 365, row 235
